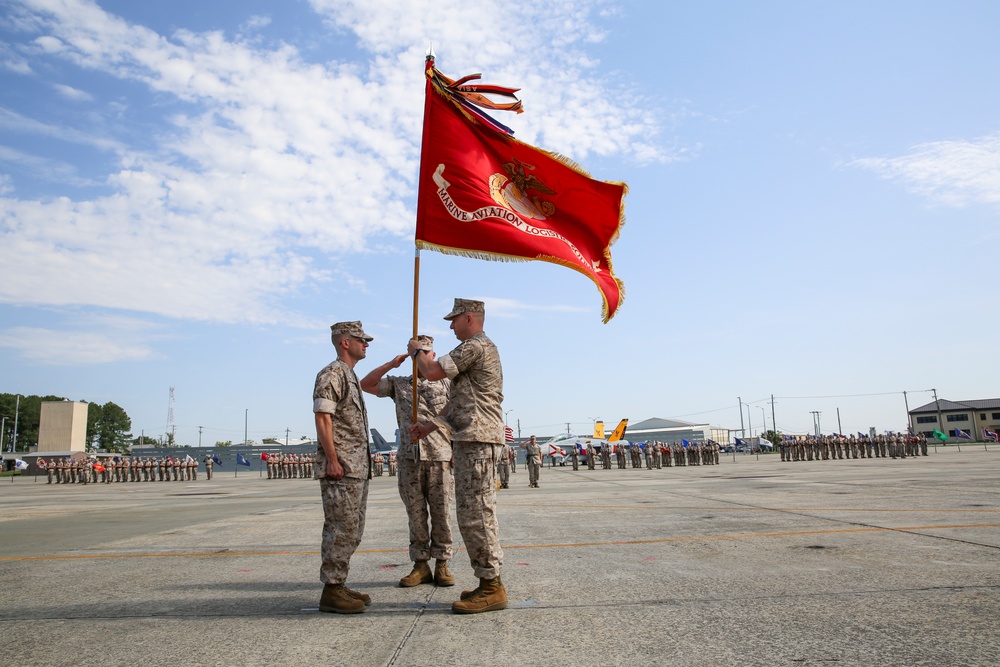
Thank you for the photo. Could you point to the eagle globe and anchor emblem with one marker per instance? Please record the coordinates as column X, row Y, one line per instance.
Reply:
column 516, row 191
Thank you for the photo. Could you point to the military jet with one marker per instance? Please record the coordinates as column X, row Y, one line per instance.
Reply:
column 380, row 444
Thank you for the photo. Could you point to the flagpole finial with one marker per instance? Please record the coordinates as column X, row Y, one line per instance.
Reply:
column 430, row 53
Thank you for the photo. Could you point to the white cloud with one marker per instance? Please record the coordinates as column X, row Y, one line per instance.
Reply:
column 51, row 170
column 267, row 160
column 956, row 173
column 514, row 309
column 75, row 347
column 255, row 22
column 71, row 93
column 21, row 124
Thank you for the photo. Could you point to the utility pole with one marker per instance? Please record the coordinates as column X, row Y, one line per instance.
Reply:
column 199, row 436
column 518, row 428
column 774, row 422
column 840, row 429
column 816, row 426
column 937, row 404
column 287, row 431
column 743, row 431
column 171, row 429
column 17, row 409
column 567, row 428
column 908, row 425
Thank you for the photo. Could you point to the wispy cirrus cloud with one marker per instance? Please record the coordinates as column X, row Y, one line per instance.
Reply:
column 955, row 172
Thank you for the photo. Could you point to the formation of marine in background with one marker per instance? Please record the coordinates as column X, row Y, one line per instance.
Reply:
column 289, row 466
column 827, row 447
column 651, row 455
column 122, row 469
column 379, row 462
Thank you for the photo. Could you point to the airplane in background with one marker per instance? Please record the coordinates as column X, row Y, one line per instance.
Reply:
column 565, row 441
column 380, row 444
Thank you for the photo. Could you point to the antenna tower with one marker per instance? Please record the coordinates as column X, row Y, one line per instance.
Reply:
column 171, row 429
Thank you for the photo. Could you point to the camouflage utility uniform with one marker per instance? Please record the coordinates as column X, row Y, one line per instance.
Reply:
column 425, row 480
column 475, row 418
column 338, row 393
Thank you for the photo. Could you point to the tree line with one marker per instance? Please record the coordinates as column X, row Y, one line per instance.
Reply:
column 108, row 426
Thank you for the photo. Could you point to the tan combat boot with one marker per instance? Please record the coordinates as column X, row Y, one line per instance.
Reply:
column 442, row 577
column 364, row 597
column 491, row 596
column 468, row 594
column 336, row 600
column 421, row 574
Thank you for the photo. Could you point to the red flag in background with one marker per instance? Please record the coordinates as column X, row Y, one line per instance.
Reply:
column 484, row 194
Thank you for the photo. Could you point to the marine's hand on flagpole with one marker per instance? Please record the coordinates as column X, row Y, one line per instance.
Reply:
column 422, row 430
column 412, row 346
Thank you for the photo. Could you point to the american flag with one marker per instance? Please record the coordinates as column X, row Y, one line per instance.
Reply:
column 508, row 434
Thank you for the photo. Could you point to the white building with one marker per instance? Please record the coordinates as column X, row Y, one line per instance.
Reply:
column 675, row 430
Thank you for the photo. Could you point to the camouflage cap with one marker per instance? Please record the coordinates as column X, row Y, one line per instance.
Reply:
column 426, row 342
column 350, row 329
column 463, row 306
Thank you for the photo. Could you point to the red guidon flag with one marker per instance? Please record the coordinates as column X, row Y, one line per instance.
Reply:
column 486, row 195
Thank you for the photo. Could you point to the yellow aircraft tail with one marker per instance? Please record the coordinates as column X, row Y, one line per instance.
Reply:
column 599, row 430
column 619, row 432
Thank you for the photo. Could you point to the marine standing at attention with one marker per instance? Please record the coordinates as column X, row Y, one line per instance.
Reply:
column 343, row 466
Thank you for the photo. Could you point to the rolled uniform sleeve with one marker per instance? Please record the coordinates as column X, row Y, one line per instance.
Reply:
column 448, row 366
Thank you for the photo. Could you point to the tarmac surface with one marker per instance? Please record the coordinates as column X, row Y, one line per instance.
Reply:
column 752, row 562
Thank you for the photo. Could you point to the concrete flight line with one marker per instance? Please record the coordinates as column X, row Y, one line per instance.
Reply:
column 555, row 545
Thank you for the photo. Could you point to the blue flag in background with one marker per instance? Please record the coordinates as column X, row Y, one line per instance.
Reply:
column 685, row 443
column 216, row 460
column 242, row 461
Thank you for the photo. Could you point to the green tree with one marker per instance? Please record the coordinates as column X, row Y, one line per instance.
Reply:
column 94, row 417
column 144, row 440
column 227, row 443
column 772, row 437
column 27, row 411
column 115, row 429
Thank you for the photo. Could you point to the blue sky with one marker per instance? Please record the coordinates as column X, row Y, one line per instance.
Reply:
column 191, row 193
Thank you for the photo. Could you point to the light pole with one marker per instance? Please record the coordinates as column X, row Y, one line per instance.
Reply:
column 505, row 415
column 763, row 419
column 17, row 408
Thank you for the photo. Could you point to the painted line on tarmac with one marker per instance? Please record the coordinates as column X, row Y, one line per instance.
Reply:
column 729, row 508
column 553, row 545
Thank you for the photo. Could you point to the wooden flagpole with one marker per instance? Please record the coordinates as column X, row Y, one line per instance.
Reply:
column 416, row 313
column 428, row 64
